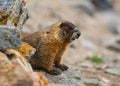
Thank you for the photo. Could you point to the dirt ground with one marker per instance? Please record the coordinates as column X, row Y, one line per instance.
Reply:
column 93, row 26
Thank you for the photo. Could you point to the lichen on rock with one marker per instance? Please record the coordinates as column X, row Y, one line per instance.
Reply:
column 21, row 55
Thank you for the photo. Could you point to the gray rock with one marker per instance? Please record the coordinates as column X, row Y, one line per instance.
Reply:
column 9, row 38
column 87, row 9
column 114, row 26
column 72, row 77
column 72, row 46
column 117, row 65
column 102, row 4
column 102, row 83
column 91, row 82
column 88, row 44
column 107, row 60
column 114, row 71
column 56, row 14
column 84, row 6
column 87, row 64
column 113, row 44
column 117, row 62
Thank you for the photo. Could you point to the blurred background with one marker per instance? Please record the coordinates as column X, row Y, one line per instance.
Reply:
column 97, row 52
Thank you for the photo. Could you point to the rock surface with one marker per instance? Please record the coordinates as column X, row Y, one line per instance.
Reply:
column 114, row 71
column 102, row 4
column 114, row 26
column 88, row 44
column 91, row 82
column 113, row 44
column 9, row 38
column 13, row 75
column 72, row 77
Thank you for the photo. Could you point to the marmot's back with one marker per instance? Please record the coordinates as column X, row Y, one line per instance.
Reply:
column 33, row 38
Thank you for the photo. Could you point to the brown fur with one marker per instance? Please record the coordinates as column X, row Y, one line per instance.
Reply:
column 51, row 44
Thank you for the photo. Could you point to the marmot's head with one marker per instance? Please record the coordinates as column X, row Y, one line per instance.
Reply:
column 65, row 30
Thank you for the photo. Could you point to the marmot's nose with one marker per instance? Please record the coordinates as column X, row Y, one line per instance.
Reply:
column 78, row 33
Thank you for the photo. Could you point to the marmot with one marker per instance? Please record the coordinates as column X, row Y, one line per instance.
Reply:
column 51, row 44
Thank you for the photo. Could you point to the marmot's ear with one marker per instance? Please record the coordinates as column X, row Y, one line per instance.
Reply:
column 63, row 25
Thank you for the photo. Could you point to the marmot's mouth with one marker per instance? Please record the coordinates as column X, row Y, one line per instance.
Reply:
column 75, row 35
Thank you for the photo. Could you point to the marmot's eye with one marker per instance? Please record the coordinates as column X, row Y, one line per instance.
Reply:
column 71, row 28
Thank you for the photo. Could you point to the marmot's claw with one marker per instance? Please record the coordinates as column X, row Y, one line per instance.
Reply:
column 62, row 67
column 55, row 72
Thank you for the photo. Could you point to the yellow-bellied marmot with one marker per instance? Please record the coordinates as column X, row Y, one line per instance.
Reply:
column 51, row 44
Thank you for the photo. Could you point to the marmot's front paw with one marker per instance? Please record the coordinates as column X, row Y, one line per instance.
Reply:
column 62, row 67
column 54, row 72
